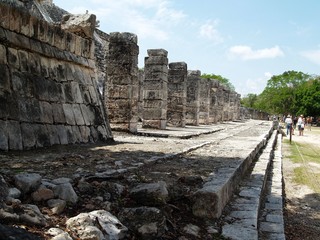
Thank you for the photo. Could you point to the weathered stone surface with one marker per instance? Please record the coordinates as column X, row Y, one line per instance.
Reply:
column 27, row 182
column 66, row 192
column 111, row 227
column 147, row 222
column 150, row 194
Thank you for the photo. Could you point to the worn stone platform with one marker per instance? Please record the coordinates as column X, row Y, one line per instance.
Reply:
column 205, row 165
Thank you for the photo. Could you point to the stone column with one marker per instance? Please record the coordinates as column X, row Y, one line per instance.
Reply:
column 122, row 81
column 220, row 103
column 193, row 92
column 155, row 89
column 226, row 105
column 204, row 101
column 177, row 93
column 213, row 111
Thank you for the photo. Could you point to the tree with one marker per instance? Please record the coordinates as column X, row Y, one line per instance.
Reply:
column 221, row 79
column 308, row 98
column 279, row 96
column 249, row 100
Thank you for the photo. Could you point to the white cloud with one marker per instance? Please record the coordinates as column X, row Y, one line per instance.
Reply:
column 313, row 56
column 209, row 31
column 247, row 53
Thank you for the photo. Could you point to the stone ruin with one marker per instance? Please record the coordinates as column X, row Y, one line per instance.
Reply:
column 65, row 81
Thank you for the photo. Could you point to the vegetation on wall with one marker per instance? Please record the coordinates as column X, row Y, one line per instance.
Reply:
column 291, row 92
column 221, row 79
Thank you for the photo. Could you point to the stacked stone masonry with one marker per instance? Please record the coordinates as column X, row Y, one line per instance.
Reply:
column 122, row 88
column 177, row 94
column 155, row 89
column 48, row 91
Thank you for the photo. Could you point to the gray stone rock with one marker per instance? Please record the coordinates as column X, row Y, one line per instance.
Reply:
column 66, row 192
column 14, row 193
column 27, row 182
column 150, row 194
column 192, row 230
column 84, row 225
column 32, row 216
column 147, row 222
column 57, row 205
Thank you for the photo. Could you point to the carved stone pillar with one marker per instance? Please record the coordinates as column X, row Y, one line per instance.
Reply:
column 155, row 89
column 193, row 93
column 177, row 93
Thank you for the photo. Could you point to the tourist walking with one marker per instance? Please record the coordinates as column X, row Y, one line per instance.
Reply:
column 299, row 123
column 288, row 123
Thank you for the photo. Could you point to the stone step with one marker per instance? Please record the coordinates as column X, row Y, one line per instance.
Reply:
column 240, row 217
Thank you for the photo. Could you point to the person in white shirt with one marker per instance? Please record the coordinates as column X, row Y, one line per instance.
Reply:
column 288, row 122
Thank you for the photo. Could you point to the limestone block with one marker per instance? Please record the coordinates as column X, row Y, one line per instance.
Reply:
column 76, row 134
column 4, row 144
column 34, row 63
column 85, row 133
column 155, row 94
column 157, row 52
column 5, row 16
column 62, row 133
column 13, row 59
column 5, row 78
column 88, row 114
column 24, row 60
column 34, row 27
column 38, row 47
column 15, row 20
column 44, row 67
column 76, row 92
column 159, row 124
column 78, row 114
column 43, row 31
column 70, row 42
column 53, row 135
column 18, row 40
column 151, row 113
column 94, row 95
column 155, row 76
column 80, row 24
column 67, row 90
column 119, row 91
column 155, row 85
column 59, row 37
column 28, row 135
column 25, row 24
column 68, row 113
column 3, row 55
column 157, row 104
column 58, row 113
column 46, row 112
column 156, row 60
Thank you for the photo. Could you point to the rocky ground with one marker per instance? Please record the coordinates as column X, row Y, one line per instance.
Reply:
column 302, row 205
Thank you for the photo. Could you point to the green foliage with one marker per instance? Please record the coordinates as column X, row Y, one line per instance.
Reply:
column 249, row 100
column 291, row 92
column 221, row 79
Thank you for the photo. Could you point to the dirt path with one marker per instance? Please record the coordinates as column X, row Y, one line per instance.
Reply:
column 302, row 206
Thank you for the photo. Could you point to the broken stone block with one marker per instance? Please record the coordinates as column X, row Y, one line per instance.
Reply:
column 80, row 24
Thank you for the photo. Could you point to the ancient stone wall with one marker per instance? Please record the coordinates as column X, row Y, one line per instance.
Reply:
column 122, row 88
column 213, row 109
column 48, row 91
column 177, row 94
column 155, row 89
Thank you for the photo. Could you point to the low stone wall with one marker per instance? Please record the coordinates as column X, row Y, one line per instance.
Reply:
column 48, row 92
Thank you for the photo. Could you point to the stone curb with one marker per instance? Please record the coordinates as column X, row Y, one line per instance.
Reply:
column 242, row 220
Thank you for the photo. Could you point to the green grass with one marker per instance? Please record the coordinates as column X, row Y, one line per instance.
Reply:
column 304, row 154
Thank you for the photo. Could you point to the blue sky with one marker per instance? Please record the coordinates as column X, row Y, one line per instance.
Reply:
column 245, row 41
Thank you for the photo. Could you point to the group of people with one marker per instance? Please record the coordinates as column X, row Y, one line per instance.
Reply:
column 301, row 122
